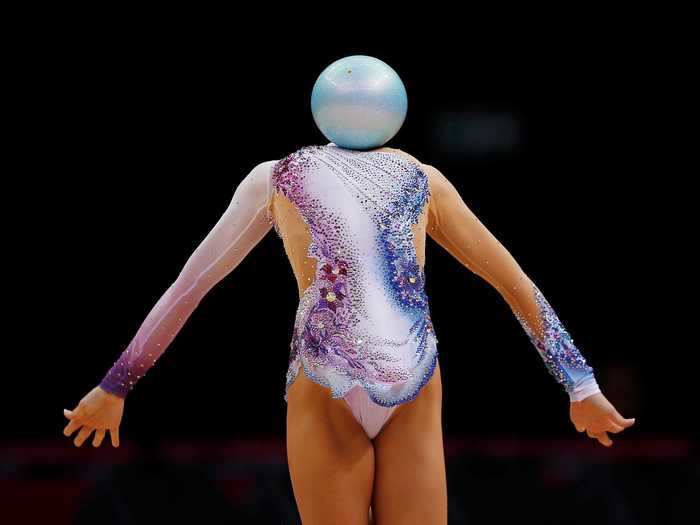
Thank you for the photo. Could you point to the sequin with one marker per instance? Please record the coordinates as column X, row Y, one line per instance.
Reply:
column 365, row 319
column 556, row 347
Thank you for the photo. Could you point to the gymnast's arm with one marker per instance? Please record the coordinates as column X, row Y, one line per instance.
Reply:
column 454, row 227
column 243, row 224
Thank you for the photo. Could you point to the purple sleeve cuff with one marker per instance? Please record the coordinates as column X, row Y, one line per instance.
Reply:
column 114, row 384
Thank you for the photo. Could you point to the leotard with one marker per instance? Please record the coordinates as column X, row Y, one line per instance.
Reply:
column 353, row 225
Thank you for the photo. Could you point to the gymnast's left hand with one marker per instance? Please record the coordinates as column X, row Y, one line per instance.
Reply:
column 98, row 411
column 597, row 416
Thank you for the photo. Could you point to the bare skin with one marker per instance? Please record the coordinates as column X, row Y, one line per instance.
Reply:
column 98, row 411
column 337, row 472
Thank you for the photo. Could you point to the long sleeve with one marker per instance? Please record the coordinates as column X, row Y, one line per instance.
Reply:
column 243, row 224
column 454, row 227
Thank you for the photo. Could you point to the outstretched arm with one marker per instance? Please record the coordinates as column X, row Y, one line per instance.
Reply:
column 453, row 225
column 243, row 224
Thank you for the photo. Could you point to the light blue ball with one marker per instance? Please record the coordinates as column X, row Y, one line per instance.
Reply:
column 359, row 102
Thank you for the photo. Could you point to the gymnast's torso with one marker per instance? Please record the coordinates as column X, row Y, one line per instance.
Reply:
column 353, row 225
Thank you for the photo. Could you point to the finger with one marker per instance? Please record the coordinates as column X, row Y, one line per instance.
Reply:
column 614, row 427
column 624, row 422
column 99, row 436
column 114, row 434
column 579, row 428
column 83, row 435
column 77, row 422
column 71, row 427
column 605, row 439
column 76, row 414
column 600, row 436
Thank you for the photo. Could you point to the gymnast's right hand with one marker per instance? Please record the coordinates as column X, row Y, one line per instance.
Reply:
column 98, row 411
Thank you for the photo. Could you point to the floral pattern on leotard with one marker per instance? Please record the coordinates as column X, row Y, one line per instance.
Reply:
column 365, row 319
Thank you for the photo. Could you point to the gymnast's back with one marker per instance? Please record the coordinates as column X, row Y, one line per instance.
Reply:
column 353, row 225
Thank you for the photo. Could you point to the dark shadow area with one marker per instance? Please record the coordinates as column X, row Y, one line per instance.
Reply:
column 490, row 480
column 135, row 135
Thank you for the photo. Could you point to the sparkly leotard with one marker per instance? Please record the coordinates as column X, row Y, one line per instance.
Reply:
column 364, row 319
column 353, row 225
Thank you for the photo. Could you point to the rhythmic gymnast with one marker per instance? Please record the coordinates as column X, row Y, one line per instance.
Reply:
column 363, row 388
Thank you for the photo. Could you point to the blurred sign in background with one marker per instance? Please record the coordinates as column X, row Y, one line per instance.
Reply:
column 463, row 134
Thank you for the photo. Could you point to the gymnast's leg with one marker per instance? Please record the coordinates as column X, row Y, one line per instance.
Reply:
column 410, row 483
column 331, row 459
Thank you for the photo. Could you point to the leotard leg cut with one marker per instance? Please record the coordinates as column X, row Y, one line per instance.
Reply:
column 371, row 416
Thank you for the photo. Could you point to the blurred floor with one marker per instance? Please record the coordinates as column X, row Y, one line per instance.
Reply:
column 491, row 480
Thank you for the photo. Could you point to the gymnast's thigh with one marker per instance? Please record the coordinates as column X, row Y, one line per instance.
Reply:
column 410, row 483
column 331, row 460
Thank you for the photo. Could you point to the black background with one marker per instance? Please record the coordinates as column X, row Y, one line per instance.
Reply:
column 132, row 135
column 144, row 136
